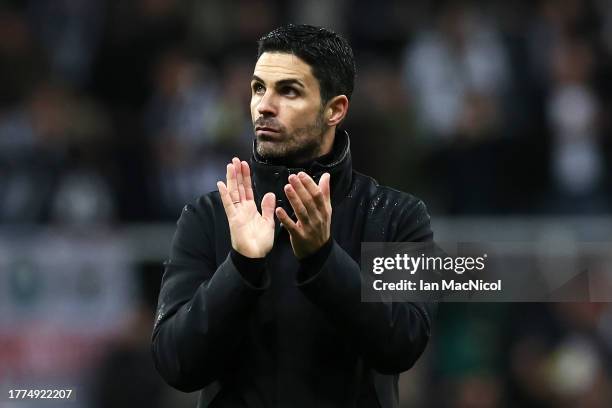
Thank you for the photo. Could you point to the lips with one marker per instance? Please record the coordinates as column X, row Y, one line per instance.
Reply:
column 266, row 129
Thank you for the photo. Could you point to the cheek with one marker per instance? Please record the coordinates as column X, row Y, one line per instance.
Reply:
column 299, row 115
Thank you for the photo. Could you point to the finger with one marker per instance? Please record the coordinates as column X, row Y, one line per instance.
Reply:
column 296, row 204
column 246, row 175
column 303, row 194
column 312, row 188
column 239, row 179
column 268, row 203
column 287, row 222
column 324, row 186
column 232, row 184
column 226, row 199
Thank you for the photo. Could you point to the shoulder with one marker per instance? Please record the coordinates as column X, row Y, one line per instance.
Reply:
column 385, row 197
column 196, row 228
column 205, row 205
column 199, row 216
column 405, row 214
column 208, row 201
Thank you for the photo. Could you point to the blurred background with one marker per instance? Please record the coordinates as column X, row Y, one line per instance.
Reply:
column 114, row 114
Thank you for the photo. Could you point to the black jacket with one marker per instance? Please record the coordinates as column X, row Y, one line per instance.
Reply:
column 281, row 333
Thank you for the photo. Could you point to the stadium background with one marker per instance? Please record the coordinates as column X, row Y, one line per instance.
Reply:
column 114, row 114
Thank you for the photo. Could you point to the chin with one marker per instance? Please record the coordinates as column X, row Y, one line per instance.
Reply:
column 270, row 150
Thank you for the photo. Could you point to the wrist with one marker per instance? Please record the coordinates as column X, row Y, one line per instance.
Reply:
column 312, row 264
column 250, row 251
column 251, row 269
column 313, row 250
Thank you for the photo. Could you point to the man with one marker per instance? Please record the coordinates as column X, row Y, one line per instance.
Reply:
column 261, row 306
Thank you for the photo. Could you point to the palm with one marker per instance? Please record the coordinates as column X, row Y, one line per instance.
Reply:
column 250, row 230
column 252, row 233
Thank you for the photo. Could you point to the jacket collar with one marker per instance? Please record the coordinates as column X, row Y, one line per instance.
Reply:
column 272, row 178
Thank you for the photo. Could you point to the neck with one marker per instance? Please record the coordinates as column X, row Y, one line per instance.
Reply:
column 328, row 142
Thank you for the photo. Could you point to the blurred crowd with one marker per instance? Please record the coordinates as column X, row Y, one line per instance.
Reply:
column 117, row 112
column 124, row 111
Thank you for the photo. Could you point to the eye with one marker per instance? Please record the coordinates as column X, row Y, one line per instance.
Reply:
column 258, row 88
column 289, row 91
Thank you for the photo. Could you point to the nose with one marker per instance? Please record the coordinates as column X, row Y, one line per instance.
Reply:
column 267, row 105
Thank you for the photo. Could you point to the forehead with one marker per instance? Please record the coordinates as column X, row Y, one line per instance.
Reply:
column 276, row 66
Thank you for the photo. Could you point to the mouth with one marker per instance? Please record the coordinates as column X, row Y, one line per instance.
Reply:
column 266, row 129
column 265, row 133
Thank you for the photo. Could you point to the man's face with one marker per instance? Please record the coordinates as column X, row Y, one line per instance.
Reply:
column 286, row 108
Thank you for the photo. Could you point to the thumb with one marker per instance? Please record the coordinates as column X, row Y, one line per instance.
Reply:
column 324, row 185
column 268, row 203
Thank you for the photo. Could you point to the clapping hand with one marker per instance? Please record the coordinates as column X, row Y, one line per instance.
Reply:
column 312, row 206
column 252, row 233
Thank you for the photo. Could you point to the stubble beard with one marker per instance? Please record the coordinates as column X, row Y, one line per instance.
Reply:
column 300, row 146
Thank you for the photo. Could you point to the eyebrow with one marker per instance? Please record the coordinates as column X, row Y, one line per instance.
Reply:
column 282, row 82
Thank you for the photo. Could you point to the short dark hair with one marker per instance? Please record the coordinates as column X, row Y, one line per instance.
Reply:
column 329, row 55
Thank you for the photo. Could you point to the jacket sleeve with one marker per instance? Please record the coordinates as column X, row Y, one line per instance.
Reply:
column 390, row 336
column 202, row 309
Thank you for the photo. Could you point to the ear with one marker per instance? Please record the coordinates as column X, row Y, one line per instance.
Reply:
column 336, row 110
